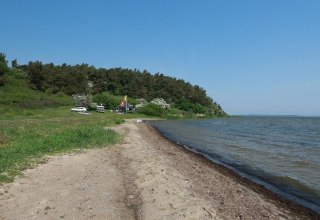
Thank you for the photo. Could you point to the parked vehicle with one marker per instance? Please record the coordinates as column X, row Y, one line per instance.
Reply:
column 79, row 109
column 100, row 108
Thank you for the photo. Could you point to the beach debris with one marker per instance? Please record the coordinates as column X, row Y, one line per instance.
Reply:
column 207, row 212
column 139, row 121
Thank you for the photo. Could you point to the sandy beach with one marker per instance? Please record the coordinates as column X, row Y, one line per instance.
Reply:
column 144, row 177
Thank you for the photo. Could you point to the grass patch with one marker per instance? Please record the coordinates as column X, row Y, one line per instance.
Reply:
column 17, row 97
column 25, row 139
column 34, row 124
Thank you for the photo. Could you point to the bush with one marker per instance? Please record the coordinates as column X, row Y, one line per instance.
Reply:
column 82, row 100
column 19, row 74
column 109, row 101
column 152, row 109
column 161, row 102
column 118, row 121
column 186, row 105
column 49, row 91
column 3, row 80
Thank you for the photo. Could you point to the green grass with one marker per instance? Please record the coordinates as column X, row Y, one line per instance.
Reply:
column 26, row 139
column 34, row 124
column 17, row 98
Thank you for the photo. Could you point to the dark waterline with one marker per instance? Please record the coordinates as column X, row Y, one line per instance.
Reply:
column 281, row 153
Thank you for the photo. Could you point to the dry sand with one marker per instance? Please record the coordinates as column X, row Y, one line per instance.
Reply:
column 145, row 177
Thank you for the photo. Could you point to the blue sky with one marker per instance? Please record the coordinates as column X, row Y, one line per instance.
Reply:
column 252, row 57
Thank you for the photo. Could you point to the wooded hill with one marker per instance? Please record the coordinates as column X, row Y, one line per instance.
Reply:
column 85, row 79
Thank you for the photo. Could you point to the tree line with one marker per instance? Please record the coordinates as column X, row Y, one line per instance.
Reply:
column 86, row 79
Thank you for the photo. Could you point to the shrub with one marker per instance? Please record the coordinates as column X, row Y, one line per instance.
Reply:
column 3, row 80
column 49, row 91
column 109, row 101
column 161, row 102
column 19, row 74
column 82, row 100
column 119, row 121
column 186, row 105
column 152, row 109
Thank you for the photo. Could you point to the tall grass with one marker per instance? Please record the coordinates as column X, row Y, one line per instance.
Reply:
column 24, row 140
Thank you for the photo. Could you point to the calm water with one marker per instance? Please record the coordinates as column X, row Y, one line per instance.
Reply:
column 282, row 153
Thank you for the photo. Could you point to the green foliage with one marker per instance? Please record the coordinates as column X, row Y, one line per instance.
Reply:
column 25, row 139
column 19, row 74
column 152, row 110
column 186, row 105
column 36, row 75
column 109, row 101
column 118, row 121
column 49, row 91
column 3, row 64
column 65, row 78
column 17, row 94
column 107, row 84
column 3, row 69
column 217, row 110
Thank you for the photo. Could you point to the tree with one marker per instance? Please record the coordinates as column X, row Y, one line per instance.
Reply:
column 4, row 69
column 82, row 100
column 85, row 79
column 36, row 75
column 14, row 63
column 3, row 64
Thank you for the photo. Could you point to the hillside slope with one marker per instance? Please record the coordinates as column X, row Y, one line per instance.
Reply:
column 16, row 97
column 37, row 85
column 85, row 79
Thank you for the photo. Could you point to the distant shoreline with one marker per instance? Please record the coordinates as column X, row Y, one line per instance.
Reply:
column 259, row 115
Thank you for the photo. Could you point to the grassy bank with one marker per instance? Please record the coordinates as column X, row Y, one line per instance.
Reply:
column 25, row 138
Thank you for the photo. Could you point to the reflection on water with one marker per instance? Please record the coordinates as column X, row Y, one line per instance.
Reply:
column 282, row 152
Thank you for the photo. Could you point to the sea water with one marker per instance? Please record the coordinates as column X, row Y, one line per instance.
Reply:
column 281, row 153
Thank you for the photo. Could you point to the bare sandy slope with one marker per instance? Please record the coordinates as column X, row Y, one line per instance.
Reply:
column 145, row 177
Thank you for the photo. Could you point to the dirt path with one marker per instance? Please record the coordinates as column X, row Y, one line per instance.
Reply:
column 79, row 186
column 164, row 192
column 145, row 177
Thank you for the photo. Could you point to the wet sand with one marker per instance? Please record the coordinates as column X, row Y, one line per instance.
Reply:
column 144, row 177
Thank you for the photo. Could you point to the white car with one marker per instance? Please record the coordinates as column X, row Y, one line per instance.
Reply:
column 79, row 109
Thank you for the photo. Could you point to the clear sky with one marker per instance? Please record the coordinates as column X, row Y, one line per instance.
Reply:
column 252, row 56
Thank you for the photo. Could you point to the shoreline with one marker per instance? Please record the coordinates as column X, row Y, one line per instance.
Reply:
column 146, row 176
column 292, row 206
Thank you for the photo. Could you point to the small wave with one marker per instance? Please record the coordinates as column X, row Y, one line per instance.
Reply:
column 247, row 147
column 301, row 163
column 294, row 185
